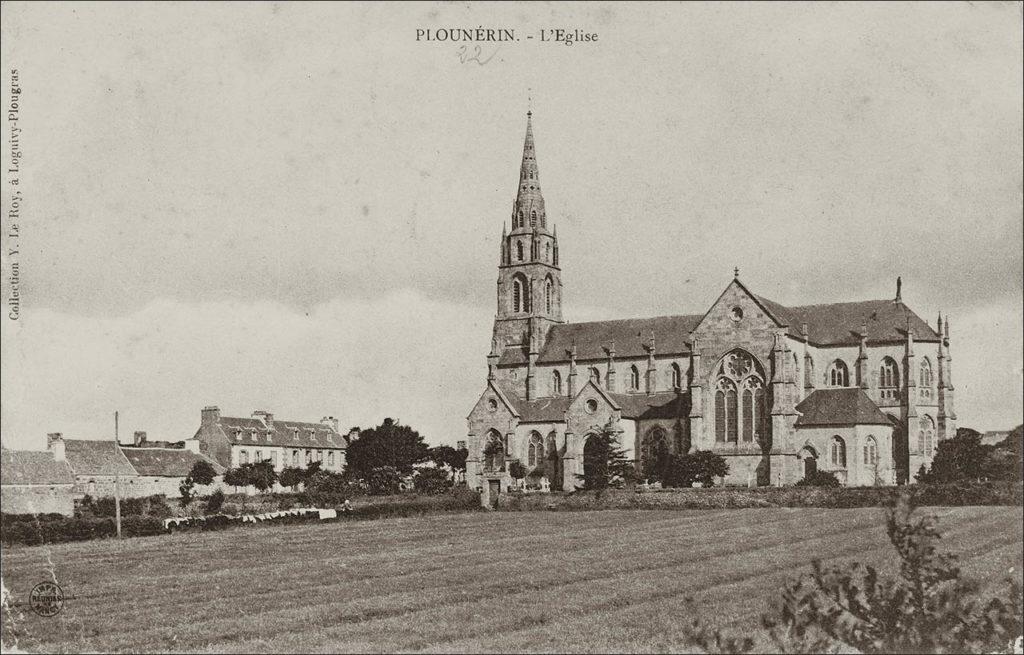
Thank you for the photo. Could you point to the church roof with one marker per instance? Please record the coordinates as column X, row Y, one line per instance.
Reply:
column 666, row 404
column 630, row 336
column 839, row 407
column 837, row 324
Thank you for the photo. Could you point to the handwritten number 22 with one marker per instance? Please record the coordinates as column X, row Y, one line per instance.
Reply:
column 465, row 54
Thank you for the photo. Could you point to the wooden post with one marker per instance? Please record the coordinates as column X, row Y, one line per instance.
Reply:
column 117, row 503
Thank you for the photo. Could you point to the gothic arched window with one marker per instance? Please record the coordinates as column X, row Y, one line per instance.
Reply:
column 533, row 218
column 520, row 222
column 675, row 376
column 547, row 253
column 838, row 375
column 556, row 383
column 519, row 250
column 870, row 452
column 926, row 436
column 549, row 292
column 738, row 375
column 535, row 451
column 520, row 294
column 494, row 450
column 595, row 375
column 889, row 379
column 838, row 450
column 634, row 378
column 926, row 378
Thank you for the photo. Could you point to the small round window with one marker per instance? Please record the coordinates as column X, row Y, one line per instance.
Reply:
column 492, row 405
column 736, row 314
column 591, row 406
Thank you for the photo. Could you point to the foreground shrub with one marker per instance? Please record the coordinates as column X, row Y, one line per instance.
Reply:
column 384, row 480
column 76, row 529
column 927, row 608
column 819, row 479
column 215, row 502
column 155, row 505
column 458, row 499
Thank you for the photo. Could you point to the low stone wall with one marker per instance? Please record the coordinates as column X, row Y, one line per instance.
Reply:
column 984, row 493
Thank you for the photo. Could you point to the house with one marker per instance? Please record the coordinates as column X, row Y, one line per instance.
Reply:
column 36, row 482
column 98, row 466
column 162, row 470
column 233, row 441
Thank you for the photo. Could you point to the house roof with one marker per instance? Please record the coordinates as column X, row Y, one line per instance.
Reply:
column 845, row 406
column 289, row 434
column 839, row 324
column 33, row 467
column 166, row 462
column 93, row 457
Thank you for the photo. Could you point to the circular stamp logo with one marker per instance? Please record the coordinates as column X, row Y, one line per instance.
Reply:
column 46, row 599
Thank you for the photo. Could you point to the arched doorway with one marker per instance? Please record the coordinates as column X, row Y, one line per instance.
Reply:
column 810, row 461
column 654, row 454
column 554, row 463
column 595, row 462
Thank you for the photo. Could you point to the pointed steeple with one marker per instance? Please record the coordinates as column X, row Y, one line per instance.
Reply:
column 529, row 208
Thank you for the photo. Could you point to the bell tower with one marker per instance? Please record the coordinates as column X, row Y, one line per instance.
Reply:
column 529, row 277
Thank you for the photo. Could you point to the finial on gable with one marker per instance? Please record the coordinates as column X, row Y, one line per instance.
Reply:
column 736, row 272
column 899, row 289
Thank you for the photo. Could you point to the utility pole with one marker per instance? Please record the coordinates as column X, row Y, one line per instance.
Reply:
column 117, row 482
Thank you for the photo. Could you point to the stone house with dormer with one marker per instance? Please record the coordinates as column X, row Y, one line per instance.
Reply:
column 862, row 389
column 233, row 441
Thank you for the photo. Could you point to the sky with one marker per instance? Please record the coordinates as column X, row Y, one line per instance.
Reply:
column 298, row 207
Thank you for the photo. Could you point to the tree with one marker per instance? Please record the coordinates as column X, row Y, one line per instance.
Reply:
column 384, row 480
column 963, row 457
column 701, row 466
column 237, row 477
column 202, row 472
column 819, row 479
column 215, row 502
column 517, row 470
column 185, row 490
column 389, row 444
column 262, row 475
column 450, row 457
column 604, row 461
column 292, row 476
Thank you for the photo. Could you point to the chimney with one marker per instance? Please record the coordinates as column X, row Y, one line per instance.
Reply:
column 211, row 415
column 330, row 422
column 139, row 438
column 55, row 444
column 267, row 417
column 899, row 289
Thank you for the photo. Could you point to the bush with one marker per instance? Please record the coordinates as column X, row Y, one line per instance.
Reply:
column 819, row 479
column 292, row 476
column 76, row 529
column 701, row 466
column 215, row 502
column 517, row 470
column 155, row 505
column 384, row 480
column 851, row 607
column 202, row 473
column 431, row 481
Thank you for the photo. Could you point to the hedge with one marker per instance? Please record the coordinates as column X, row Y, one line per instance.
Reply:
column 31, row 533
column 955, row 495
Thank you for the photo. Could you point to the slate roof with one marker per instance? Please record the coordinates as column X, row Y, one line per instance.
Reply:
column 166, row 462
column 89, row 457
column 33, row 467
column 665, row 404
column 839, row 324
column 846, row 406
column 291, row 434
column 671, row 336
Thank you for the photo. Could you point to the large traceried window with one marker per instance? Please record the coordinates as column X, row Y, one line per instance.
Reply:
column 739, row 399
column 926, row 436
column 549, row 294
column 889, row 379
column 925, row 382
column 634, row 378
column 535, row 450
column 838, row 374
column 838, row 452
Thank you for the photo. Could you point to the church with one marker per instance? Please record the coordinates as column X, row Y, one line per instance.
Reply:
column 861, row 389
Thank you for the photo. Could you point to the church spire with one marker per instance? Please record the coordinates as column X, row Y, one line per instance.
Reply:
column 528, row 211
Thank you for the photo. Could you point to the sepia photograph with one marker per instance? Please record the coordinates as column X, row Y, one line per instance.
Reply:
column 512, row 327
